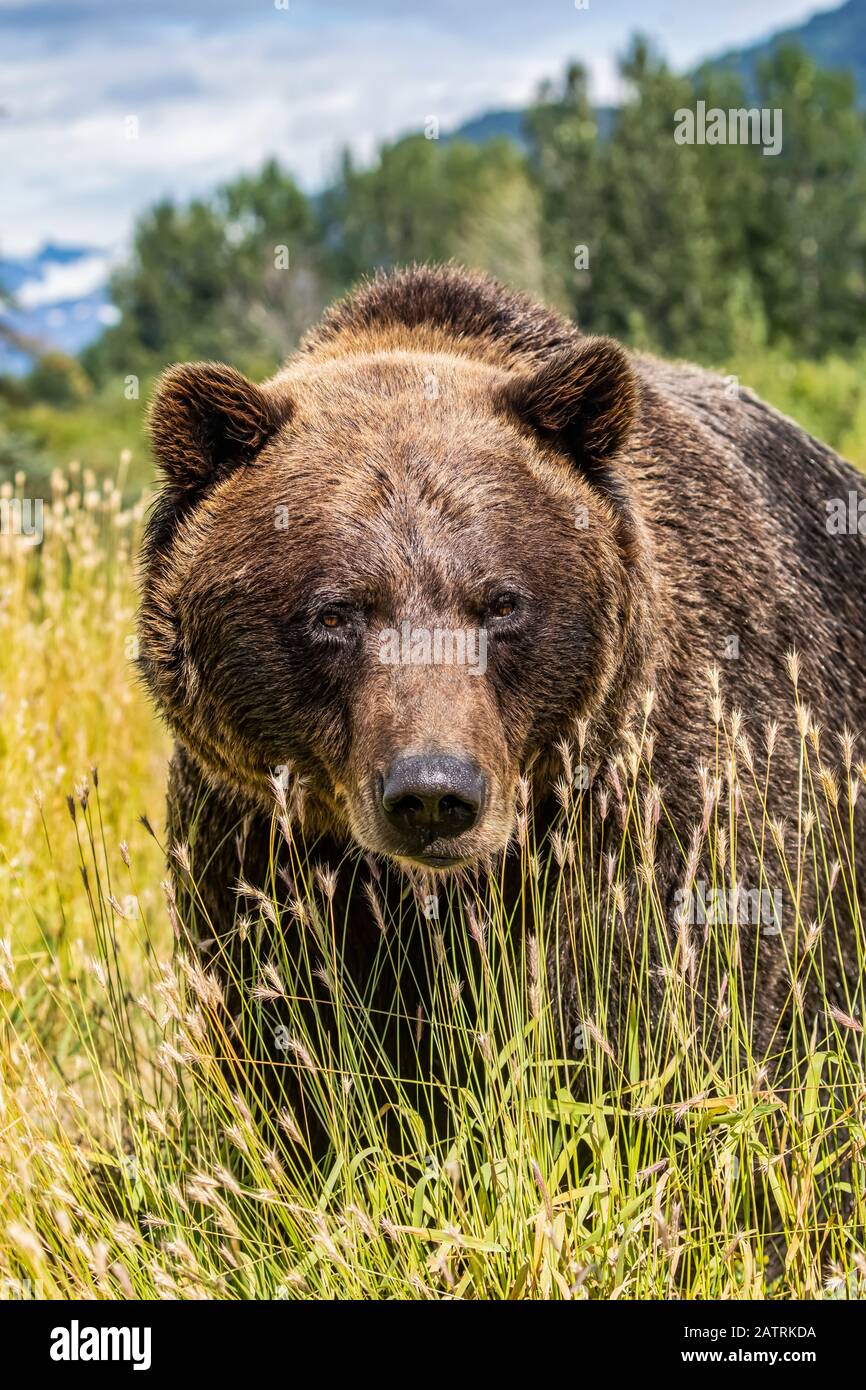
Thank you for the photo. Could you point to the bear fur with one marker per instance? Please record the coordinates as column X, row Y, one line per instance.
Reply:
column 436, row 442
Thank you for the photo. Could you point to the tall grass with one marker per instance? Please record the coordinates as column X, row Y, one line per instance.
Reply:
column 134, row 1161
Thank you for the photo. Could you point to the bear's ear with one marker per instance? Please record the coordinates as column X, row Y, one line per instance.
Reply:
column 584, row 399
column 205, row 418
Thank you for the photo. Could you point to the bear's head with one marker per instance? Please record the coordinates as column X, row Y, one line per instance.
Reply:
column 402, row 575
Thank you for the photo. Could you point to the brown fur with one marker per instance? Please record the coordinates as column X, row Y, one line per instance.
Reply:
column 431, row 444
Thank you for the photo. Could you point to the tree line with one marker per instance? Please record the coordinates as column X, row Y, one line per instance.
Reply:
column 687, row 249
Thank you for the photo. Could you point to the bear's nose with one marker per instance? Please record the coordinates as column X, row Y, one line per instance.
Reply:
column 432, row 795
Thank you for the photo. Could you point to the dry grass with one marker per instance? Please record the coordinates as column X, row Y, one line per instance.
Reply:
column 130, row 1167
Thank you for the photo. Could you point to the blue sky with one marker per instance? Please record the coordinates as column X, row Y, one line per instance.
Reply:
column 215, row 86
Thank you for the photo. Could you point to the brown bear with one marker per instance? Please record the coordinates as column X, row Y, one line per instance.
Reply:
column 445, row 462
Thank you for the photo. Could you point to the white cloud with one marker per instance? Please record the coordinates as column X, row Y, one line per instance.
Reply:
column 61, row 283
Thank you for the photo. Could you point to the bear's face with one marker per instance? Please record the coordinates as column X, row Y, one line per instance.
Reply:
column 386, row 575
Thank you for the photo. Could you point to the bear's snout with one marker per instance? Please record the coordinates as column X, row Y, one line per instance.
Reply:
column 428, row 798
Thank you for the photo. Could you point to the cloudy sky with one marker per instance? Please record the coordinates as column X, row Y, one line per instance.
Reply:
column 106, row 105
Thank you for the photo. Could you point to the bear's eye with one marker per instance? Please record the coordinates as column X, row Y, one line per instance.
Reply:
column 503, row 606
column 336, row 621
column 332, row 619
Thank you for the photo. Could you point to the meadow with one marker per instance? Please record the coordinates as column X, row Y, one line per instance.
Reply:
column 131, row 1164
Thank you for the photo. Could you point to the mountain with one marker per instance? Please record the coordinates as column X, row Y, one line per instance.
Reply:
column 833, row 39
column 510, row 124
column 492, row 125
